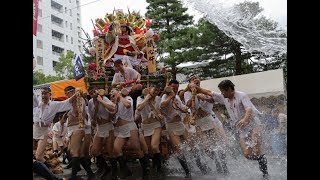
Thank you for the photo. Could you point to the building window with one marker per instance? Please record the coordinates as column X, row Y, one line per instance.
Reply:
column 56, row 6
column 71, row 12
column 66, row 24
column 71, row 26
column 54, row 63
column 57, row 21
column 39, row 44
column 57, row 50
column 79, row 34
column 39, row 12
column 57, row 35
column 65, row 10
column 78, row 20
column 71, row 40
column 39, row 28
column 78, row 15
column 67, row 38
column 40, row 60
column 69, row 1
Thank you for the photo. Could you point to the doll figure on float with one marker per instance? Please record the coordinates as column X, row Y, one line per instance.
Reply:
column 122, row 44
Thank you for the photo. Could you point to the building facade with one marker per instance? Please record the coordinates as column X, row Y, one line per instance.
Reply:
column 58, row 30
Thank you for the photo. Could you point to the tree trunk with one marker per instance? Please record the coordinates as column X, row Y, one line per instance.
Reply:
column 238, row 57
column 173, row 72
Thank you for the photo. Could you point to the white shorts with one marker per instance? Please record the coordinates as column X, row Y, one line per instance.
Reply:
column 178, row 128
column 245, row 131
column 124, row 131
column 191, row 128
column 40, row 132
column 148, row 129
column 104, row 129
column 205, row 123
column 59, row 140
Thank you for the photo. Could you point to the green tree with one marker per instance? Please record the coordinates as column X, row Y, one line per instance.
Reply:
column 170, row 20
column 251, row 12
column 86, row 56
column 276, row 61
column 248, row 10
column 40, row 78
column 210, row 43
column 226, row 54
column 64, row 67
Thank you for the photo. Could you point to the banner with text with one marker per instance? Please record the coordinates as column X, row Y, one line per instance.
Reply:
column 35, row 16
column 78, row 67
column 151, row 56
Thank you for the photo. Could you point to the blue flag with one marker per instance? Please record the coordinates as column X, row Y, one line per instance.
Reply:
column 78, row 68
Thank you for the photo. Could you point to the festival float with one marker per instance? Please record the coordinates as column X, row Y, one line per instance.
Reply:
column 135, row 45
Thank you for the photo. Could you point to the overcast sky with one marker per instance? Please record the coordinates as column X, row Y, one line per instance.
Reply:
column 92, row 9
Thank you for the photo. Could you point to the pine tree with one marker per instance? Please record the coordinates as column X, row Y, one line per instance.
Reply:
column 170, row 20
column 210, row 42
column 251, row 12
column 87, row 57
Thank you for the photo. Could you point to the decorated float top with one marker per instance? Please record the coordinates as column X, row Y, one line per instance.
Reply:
column 124, row 36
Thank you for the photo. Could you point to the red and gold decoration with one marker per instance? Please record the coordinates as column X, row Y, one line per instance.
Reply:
column 124, row 35
column 121, row 34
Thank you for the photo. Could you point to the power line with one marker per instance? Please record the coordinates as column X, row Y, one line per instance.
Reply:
column 71, row 8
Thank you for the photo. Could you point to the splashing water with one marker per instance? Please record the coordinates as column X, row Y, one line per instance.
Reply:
column 240, row 168
column 241, row 28
column 244, row 30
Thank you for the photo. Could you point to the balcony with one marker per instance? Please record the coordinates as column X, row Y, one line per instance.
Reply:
column 57, row 36
column 56, row 6
column 55, row 53
column 56, row 50
column 57, row 21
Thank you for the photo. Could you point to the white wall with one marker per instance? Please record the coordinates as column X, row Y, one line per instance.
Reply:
column 259, row 84
column 47, row 27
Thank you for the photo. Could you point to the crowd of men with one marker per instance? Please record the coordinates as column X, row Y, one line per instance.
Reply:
column 102, row 126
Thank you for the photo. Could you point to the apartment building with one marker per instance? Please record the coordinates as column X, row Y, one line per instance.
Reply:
column 58, row 30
